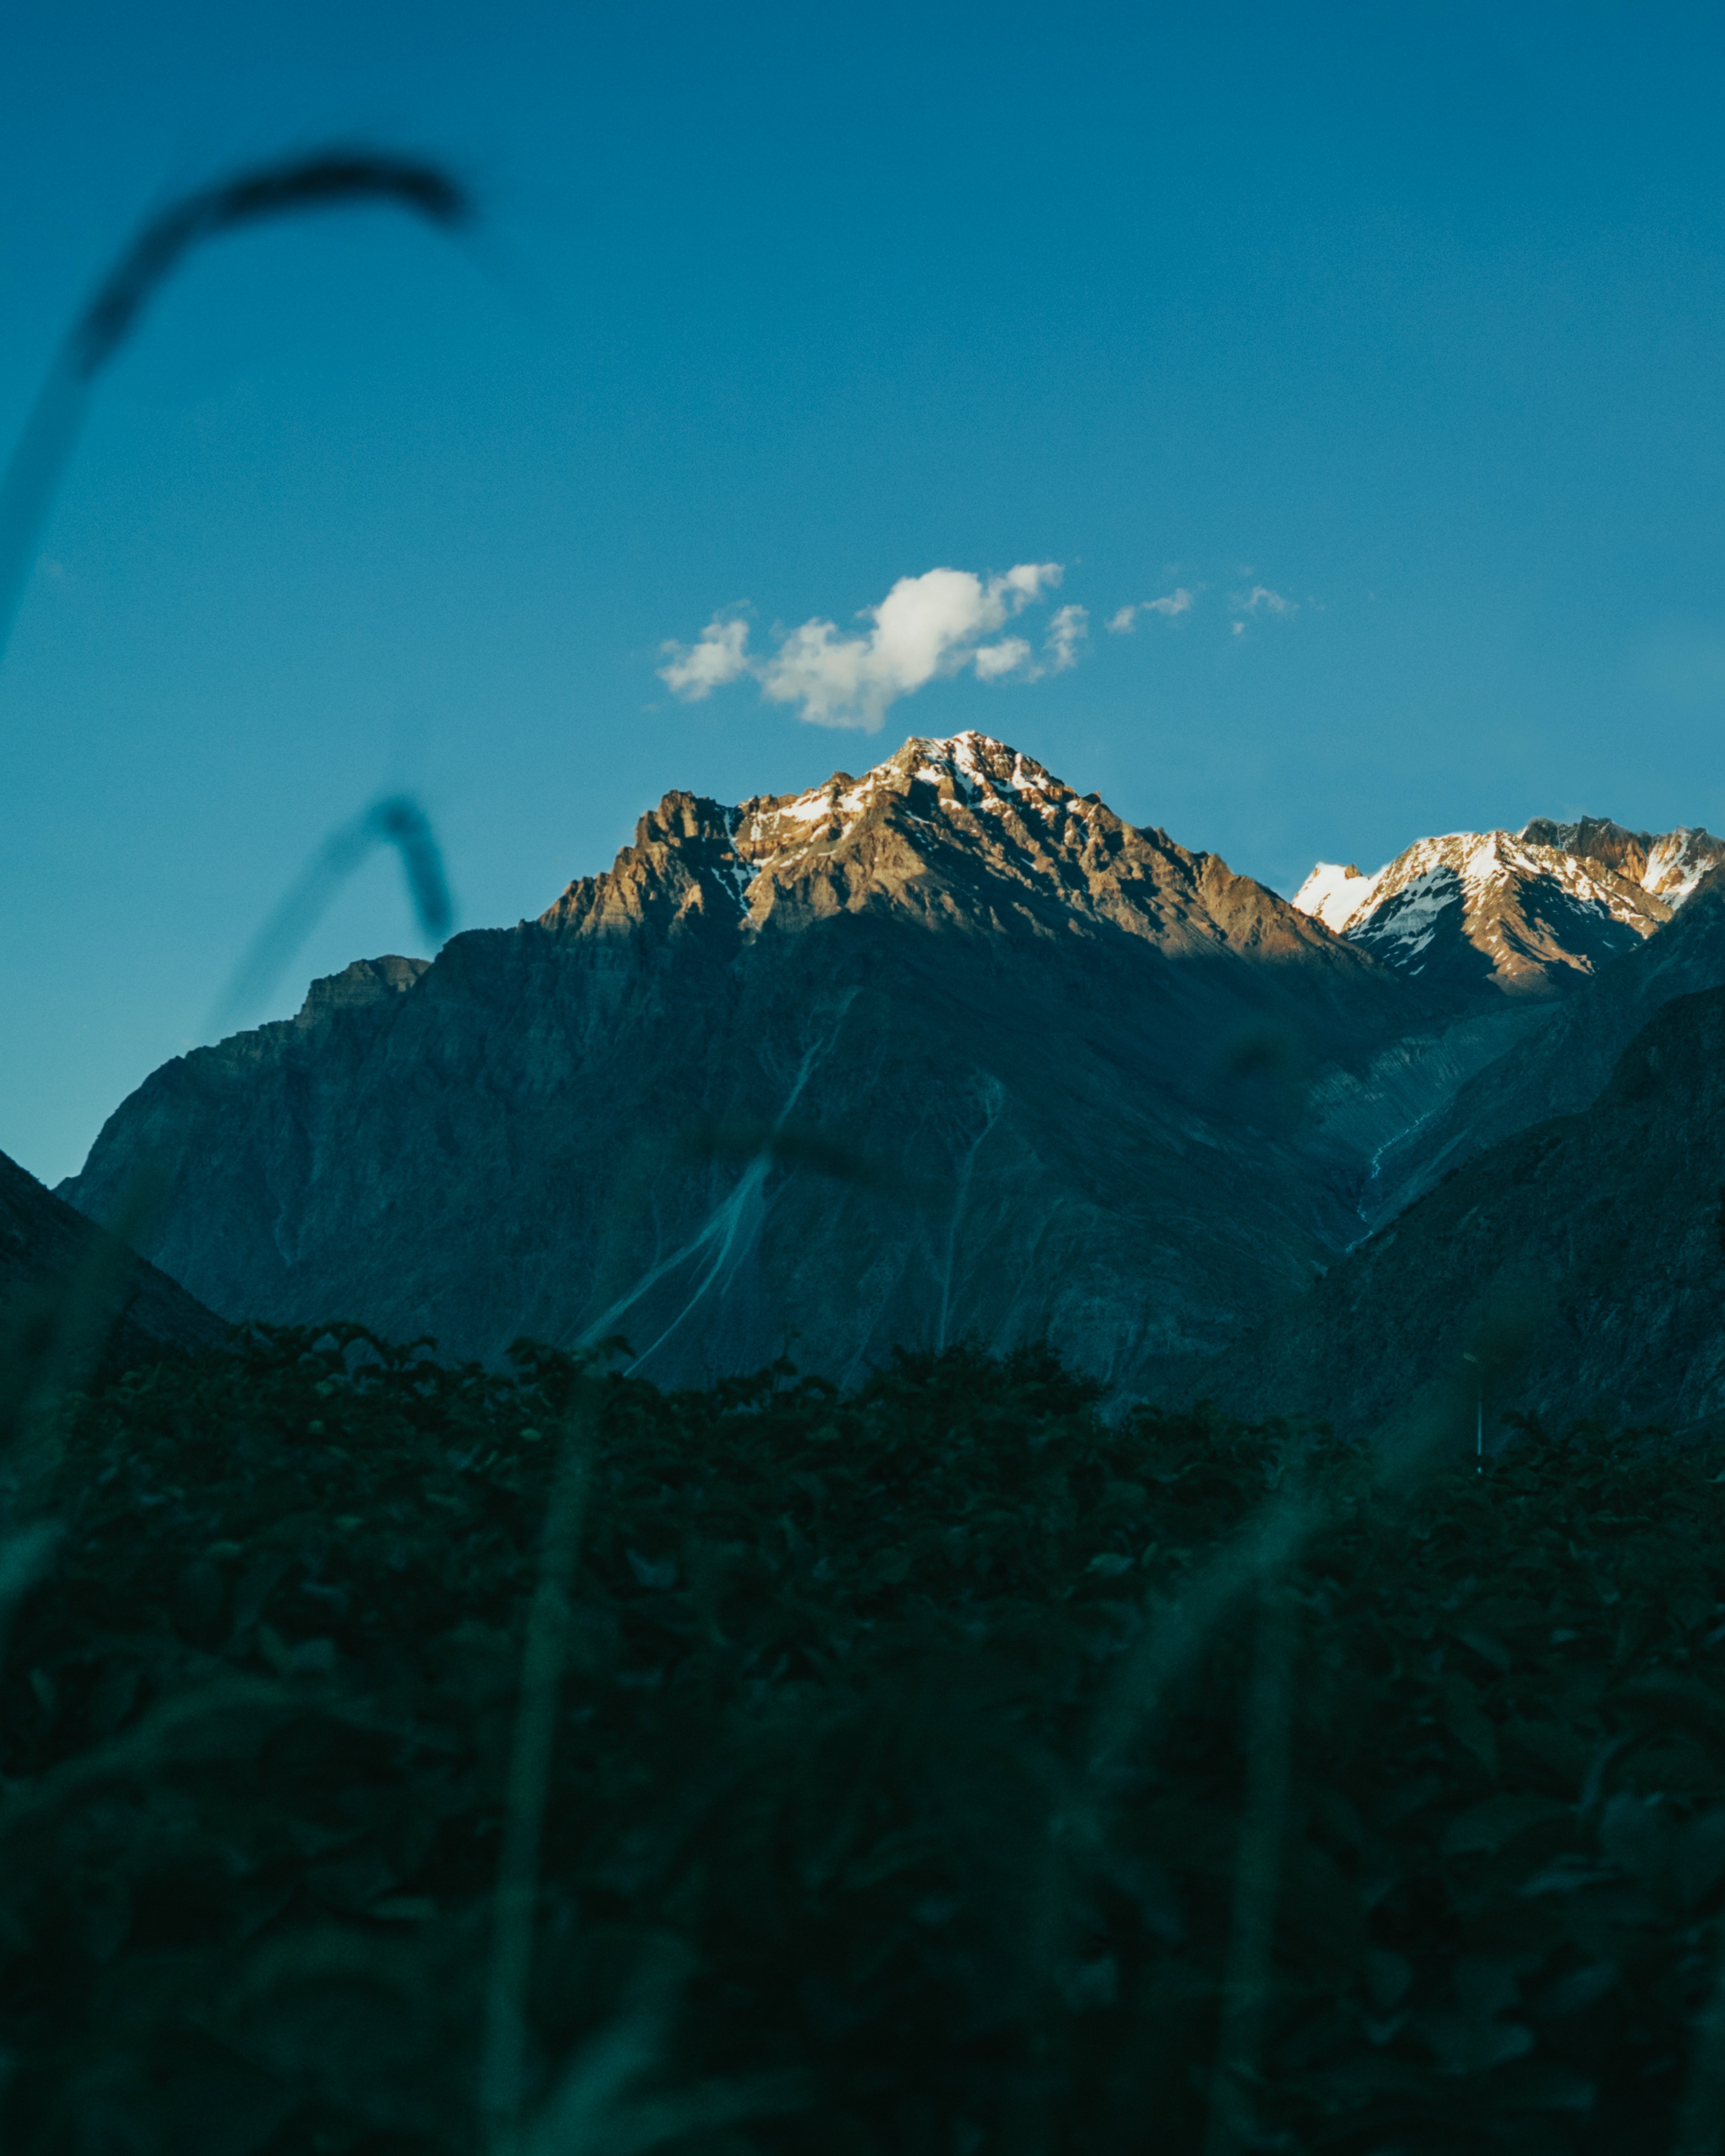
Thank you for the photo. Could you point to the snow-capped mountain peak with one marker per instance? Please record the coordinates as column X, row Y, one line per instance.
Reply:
column 962, row 832
column 1334, row 893
column 1677, row 862
column 1526, row 912
column 970, row 770
column 966, row 827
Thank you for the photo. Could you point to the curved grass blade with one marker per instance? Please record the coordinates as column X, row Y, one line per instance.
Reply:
column 337, row 177
column 397, row 820
column 333, row 178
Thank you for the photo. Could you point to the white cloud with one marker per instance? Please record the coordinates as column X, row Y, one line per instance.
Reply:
column 1179, row 601
column 1025, row 583
column 1066, row 633
column 720, row 657
column 1262, row 599
column 926, row 628
column 995, row 660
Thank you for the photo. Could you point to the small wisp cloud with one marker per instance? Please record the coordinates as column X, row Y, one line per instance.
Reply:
column 720, row 657
column 926, row 628
column 1177, row 602
column 1066, row 633
column 1260, row 599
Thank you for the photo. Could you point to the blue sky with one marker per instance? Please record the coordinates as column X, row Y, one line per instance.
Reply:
column 1412, row 317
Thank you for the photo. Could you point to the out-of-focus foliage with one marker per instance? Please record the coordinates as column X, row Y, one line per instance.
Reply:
column 820, row 1822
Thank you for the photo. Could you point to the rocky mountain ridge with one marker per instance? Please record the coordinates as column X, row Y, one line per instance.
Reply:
column 1564, row 1062
column 1669, row 865
column 966, row 833
column 1526, row 913
column 946, row 1048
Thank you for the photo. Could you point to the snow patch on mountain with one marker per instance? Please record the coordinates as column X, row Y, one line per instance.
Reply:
column 1533, row 908
column 1334, row 893
column 778, row 833
column 1677, row 862
column 1402, row 931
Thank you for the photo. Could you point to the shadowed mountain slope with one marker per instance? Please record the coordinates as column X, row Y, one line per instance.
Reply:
column 1563, row 1064
column 49, row 1254
column 948, row 1048
column 1599, row 1233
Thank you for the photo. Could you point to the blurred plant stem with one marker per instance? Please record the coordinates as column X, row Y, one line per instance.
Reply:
column 503, row 2070
column 397, row 820
column 1246, row 1989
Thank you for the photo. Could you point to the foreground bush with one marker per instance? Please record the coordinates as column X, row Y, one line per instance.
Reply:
column 835, row 1859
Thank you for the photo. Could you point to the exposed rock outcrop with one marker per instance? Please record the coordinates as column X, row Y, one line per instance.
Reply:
column 1563, row 1064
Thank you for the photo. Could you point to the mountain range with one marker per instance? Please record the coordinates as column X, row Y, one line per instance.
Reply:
column 946, row 1048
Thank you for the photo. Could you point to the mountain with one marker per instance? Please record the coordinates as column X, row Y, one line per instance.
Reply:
column 1599, row 1236
column 1571, row 1184
column 944, row 1048
column 1671, row 866
column 1563, row 1066
column 947, row 1048
column 1526, row 914
column 1542, row 945
column 59, row 1273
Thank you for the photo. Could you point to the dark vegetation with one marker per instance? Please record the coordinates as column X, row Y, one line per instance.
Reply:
column 835, row 1859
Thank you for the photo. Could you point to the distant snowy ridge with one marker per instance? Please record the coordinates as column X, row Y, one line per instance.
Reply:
column 1334, row 894
column 1345, row 900
column 1670, row 866
column 1532, row 909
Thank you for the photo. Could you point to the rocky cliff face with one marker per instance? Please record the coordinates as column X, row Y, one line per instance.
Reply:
column 966, row 835
column 1669, row 866
column 1597, row 1239
column 946, row 1048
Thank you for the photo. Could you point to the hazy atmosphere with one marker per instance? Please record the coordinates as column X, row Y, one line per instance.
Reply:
column 1342, row 389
